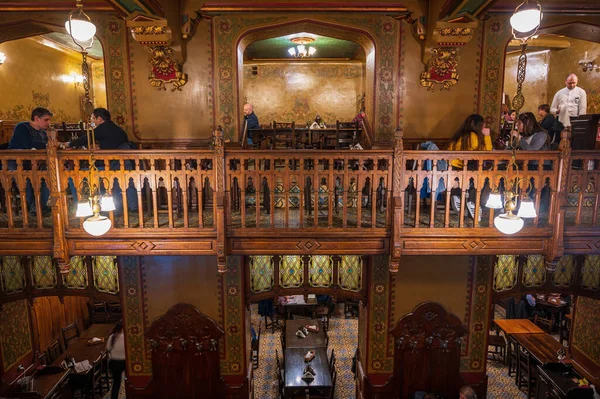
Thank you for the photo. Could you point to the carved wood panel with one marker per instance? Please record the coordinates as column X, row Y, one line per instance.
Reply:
column 427, row 345
column 185, row 354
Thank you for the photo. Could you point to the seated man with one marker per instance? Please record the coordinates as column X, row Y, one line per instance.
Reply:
column 251, row 121
column 318, row 123
column 110, row 136
column 551, row 124
column 31, row 135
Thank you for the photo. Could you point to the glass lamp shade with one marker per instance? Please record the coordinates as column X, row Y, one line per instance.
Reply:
column 527, row 210
column 292, row 51
column 508, row 223
column 526, row 20
column 494, row 201
column 84, row 209
column 107, row 204
column 311, row 50
column 80, row 29
column 97, row 225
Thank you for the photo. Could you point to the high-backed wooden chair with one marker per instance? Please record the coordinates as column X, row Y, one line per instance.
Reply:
column 115, row 312
column 255, row 344
column 54, row 351
column 70, row 333
column 346, row 134
column 284, row 134
column 99, row 312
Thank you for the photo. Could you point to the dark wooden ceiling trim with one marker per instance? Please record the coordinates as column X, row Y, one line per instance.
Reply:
column 45, row 6
column 572, row 8
column 217, row 8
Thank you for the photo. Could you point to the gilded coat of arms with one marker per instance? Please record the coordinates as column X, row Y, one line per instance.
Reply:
column 164, row 69
column 441, row 69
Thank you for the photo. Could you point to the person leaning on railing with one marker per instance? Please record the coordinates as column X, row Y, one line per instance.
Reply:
column 471, row 136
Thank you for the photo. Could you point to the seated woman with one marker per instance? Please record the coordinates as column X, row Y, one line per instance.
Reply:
column 471, row 136
column 318, row 123
column 530, row 134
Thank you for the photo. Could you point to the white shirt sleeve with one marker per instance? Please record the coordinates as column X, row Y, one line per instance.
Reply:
column 582, row 102
column 555, row 102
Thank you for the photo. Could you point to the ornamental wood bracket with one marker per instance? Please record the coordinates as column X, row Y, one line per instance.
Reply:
column 156, row 36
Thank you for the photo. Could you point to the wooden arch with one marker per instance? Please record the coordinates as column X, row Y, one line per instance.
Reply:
column 427, row 346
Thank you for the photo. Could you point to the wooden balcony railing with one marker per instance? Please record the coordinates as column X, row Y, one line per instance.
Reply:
column 218, row 193
column 308, row 189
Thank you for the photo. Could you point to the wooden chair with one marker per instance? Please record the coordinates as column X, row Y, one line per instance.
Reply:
column 332, row 360
column 512, row 358
column 96, row 378
column 255, row 349
column 42, row 358
column 496, row 347
column 543, row 323
column 333, row 383
column 54, row 351
column 99, row 312
column 526, row 372
column 280, row 375
column 115, row 312
column 346, row 134
column 324, row 312
column 284, row 134
column 70, row 333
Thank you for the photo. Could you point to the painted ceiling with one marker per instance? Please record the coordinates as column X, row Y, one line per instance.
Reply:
column 64, row 40
column 327, row 47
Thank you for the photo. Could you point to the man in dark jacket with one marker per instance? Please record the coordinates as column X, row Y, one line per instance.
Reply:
column 550, row 123
column 108, row 134
column 251, row 120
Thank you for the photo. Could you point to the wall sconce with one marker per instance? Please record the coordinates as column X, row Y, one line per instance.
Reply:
column 2, row 58
column 586, row 64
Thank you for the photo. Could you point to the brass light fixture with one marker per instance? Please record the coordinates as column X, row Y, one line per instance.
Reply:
column 508, row 222
column 300, row 50
column 93, row 201
column 82, row 31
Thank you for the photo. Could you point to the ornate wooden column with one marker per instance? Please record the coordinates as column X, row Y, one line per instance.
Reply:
column 397, row 202
column 219, row 160
column 58, row 205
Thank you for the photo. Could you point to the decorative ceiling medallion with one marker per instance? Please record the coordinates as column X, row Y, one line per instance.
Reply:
column 302, row 40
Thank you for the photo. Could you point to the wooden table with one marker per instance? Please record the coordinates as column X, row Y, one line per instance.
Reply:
column 79, row 348
column 291, row 307
column 518, row 326
column 313, row 340
column 45, row 384
column 294, row 366
column 542, row 347
column 98, row 330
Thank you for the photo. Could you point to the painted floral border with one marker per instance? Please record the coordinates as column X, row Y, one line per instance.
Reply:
column 15, row 333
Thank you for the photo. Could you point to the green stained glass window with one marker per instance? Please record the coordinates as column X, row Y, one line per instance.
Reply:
column 534, row 271
column 77, row 276
column 565, row 270
column 320, row 273
column 12, row 274
column 590, row 273
column 262, row 273
column 43, row 272
column 350, row 273
column 291, row 271
column 505, row 272
column 106, row 274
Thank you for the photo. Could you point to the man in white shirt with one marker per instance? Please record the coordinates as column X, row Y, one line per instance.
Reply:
column 570, row 101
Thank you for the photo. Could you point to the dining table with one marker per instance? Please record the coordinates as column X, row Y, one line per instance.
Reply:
column 295, row 385
column 518, row 326
column 312, row 340
column 543, row 347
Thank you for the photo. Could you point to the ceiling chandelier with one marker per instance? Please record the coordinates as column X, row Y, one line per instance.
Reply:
column 94, row 198
column 300, row 50
column 82, row 31
column 508, row 222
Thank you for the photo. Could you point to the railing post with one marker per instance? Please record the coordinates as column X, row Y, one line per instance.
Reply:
column 219, row 160
column 397, row 206
column 59, row 213
column 556, row 244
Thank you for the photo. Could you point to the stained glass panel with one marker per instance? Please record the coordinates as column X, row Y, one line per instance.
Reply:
column 565, row 270
column 350, row 273
column 106, row 274
column 320, row 273
column 43, row 272
column 291, row 271
column 12, row 275
column 590, row 273
column 505, row 272
column 262, row 273
column 534, row 272
column 77, row 276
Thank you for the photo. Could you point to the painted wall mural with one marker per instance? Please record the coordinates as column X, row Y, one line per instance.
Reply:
column 15, row 333
column 331, row 90
column 585, row 328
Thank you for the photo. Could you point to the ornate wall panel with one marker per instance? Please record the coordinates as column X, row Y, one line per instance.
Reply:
column 77, row 277
column 505, row 272
column 106, row 274
column 565, row 272
column 590, row 273
column 586, row 335
column 43, row 272
column 380, row 359
column 291, row 271
column 350, row 273
column 12, row 274
column 534, row 271
column 262, row 273
column 15, row 333
column 320, row 272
